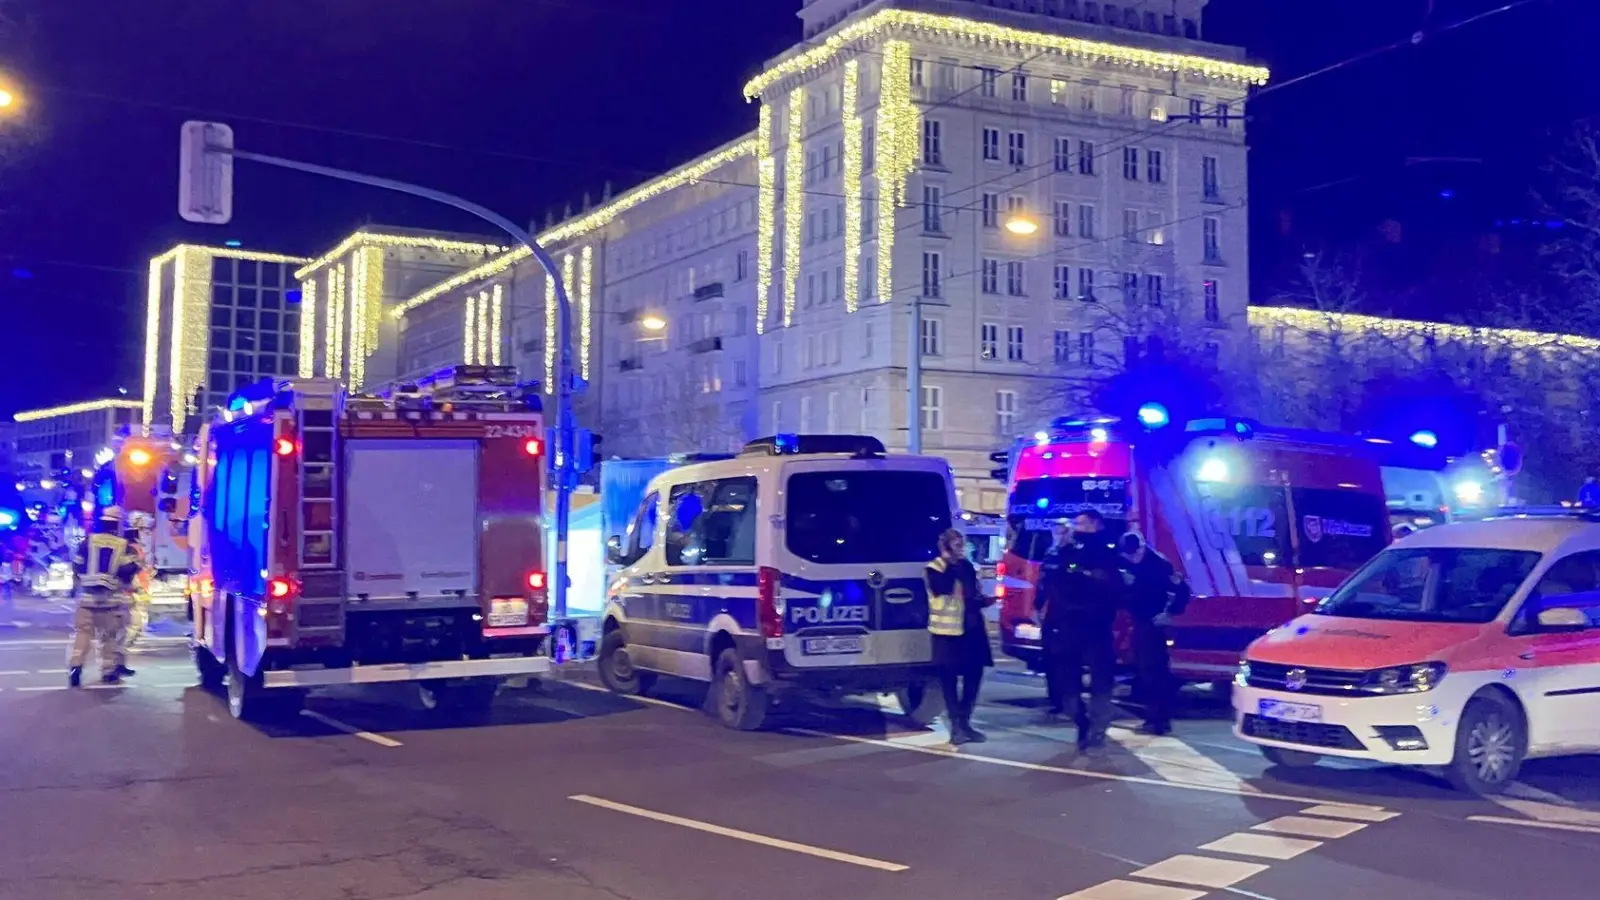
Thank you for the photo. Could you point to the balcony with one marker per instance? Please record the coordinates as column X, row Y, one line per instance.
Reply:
column 710, row 291
column 706, row 345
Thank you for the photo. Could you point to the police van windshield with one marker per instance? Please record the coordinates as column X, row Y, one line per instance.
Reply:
column 866, row 516
column 1037, row 504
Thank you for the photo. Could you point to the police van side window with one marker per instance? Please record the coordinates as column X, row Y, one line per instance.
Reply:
column 712, row 523
column 642, row 531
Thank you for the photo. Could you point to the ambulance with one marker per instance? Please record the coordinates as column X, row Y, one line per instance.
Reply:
column 150, row 478
column 794, row 568
column 1468, row 647
column 342, row 539
column 1263, row 523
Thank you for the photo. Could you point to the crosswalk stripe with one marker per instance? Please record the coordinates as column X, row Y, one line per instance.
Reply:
column 1266, row 846
column 1307, row 827
column 1200, row 871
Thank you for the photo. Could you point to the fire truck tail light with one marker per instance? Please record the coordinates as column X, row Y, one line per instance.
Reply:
column 533, row 446
column 280, row 589
column 1000, row 581
column 284, row 446
column 768, row 609
column 536, row 580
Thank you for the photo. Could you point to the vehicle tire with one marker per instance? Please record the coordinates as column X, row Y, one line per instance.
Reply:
column 1289, row 759
column 616, row 669
column 738, row 703
column 248, row 701
column 213, row 674
column 1491, row 742
column 919, row 702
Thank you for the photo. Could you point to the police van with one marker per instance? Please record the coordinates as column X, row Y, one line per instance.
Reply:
column 795, row 566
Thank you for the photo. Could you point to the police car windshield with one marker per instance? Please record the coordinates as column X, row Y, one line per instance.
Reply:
column 841, row 518
column 1432, row 584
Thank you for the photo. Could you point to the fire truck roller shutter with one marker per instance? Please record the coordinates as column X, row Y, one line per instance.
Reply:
column 412, row 520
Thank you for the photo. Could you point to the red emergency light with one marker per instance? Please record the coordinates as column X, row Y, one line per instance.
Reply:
column 536, row 580
column 284, row 446
column 1000, row 581
column 280, row 588
column 533, row 446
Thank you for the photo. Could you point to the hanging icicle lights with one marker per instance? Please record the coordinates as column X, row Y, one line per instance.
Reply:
column 794, row 200
column 766, row 189
column 852, row 185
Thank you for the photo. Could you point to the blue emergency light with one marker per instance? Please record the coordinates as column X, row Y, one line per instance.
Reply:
column 1154, row 415
column 1425, row 439
column 8, row 518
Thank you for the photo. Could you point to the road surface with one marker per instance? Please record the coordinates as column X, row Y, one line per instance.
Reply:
column 151, row 790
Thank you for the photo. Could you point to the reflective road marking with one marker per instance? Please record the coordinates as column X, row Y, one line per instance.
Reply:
column 331, row 722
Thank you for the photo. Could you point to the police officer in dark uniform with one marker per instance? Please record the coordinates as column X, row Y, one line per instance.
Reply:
column 1156, row 593
column 1081, row 603
column 1052, row 572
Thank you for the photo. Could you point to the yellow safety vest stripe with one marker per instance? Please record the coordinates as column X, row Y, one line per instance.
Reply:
column 945, row 611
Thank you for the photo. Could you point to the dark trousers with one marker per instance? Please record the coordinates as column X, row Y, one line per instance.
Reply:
column 1153, row 672
column 1075, row 643
column 960, row 684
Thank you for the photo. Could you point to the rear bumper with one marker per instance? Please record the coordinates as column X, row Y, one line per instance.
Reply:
column 506, row 667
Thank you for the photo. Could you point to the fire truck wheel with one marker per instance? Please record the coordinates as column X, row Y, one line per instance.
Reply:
column 248, row 701
column 212, row 673
column 739, row 704
column 616, row 668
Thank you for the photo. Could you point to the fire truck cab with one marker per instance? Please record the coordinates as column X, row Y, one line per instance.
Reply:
column 344, row 539
column 149, row 478
column 1263, row 523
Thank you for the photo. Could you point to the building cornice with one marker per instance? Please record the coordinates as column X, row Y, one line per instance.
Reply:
column 34, row 415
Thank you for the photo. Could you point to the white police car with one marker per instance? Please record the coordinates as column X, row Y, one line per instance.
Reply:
column 795, row 565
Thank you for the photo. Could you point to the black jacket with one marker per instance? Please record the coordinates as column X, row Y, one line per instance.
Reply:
column 1156, row 587
column 1080, row 580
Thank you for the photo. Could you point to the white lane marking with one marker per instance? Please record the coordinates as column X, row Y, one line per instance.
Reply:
column 749, row 837
column 1532, row 823
column 1317, row 828
column 44, row 687
column 640, row 698
column 66, row 642
column 15, row 672
column 1173, row 759
column 1266, row 846
column 1117, row 889
column 1200, row 871
column 331, row 722
column 1360, row 814
column 1540, row 811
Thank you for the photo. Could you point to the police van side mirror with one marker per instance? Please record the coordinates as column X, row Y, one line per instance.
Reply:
column 614, row 550
column 1562, row 619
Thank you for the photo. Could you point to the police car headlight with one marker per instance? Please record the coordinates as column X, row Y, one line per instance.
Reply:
column 1405, row 679
column 1241, row 677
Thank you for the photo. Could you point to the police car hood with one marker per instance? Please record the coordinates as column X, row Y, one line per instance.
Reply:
column 1332, row 642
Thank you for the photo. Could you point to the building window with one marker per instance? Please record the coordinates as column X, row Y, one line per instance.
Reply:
column 832, row 423
column 869, row 284
column 1211, row 230
column 1086, row 348
column 1063, row 154
column 932, row 337
column 1208, row 290
column 932, row 209
column 931, row 414
column 1125, row 100
column 1014, row 283
column 1017, row 148
column 945, row 74
column 991, row 210
column 1208, row 178
column 1063, row 219
column 741, row 265
column 1152, row 166
column 1086, row 284
column 1130, row 163
column 867, row 417
column 777, row 416
column 932, row 142
column 1019, row 87
column 1154, row 287
column 811, row 288
column 1222, row 116
column 1130, row 224
column 1197, row 108
column 811, row 168
column 987, row 81
column 1086, row 221
column 1005, row 413
column 931, row 274
column 1058, row 91
column 989, row 341
column 805, row 415
column 1062, row 346
column 1015, row 342
column 990, row 271
column 1086, row 96
column 1063, row 282
column 918, row 75
column 1016, row 205
column 991, row 144
column 1086, row 157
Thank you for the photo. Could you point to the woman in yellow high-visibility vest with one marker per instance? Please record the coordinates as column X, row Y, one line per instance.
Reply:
column 960, row 638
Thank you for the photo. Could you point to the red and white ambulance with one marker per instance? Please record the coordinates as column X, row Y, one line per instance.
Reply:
column 344, row 539
column 1263, row 523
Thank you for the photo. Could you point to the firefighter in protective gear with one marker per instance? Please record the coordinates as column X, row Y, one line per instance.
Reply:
column 105, row 564
column 960, row 637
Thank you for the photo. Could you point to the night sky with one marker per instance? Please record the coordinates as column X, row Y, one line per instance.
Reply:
column 524, row 105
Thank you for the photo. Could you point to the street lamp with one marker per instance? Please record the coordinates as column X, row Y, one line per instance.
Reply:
column 7, row 99
column 1022, row 224
column 652, row 322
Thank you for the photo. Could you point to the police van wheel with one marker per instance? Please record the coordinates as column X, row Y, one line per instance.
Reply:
column 738, row 703
column 616, row 668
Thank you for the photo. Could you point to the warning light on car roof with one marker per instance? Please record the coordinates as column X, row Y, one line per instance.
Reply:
column 1154, row 415
column 1425, row 439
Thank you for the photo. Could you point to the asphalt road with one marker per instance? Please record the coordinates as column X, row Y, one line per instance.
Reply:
column 151, row 790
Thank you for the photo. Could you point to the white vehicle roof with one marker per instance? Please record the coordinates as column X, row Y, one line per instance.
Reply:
column 758, row 464
column 1536, row 532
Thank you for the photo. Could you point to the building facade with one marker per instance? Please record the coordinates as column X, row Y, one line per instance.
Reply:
column 1042, row 187
column 70, row 437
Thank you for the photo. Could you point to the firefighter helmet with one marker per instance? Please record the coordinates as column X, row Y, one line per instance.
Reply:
column 111, row 514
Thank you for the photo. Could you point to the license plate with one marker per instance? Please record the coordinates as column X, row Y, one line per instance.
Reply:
column 832, row 646
column 1289, row 712
column 1027, row 631
column 507, row 613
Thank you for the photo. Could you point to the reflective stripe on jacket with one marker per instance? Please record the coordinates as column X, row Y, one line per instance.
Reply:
column 103, row 557
column 945, row 611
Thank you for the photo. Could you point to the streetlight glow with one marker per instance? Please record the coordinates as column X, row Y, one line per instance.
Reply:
column 7, row 99
column 1021, row 224
column 652, row 322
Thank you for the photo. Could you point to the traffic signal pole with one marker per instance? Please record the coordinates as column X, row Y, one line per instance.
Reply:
column 566, row 425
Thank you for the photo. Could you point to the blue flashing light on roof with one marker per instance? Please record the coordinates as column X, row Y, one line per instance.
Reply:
column 8, row 518
column 1425, row 439
column 1154, row 415
column 787, row 443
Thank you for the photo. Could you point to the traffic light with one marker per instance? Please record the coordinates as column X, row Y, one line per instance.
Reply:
column 584, row 442
column 1001, row 474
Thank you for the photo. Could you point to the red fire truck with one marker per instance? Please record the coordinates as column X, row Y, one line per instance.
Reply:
column 1262, row 522
column 343, row 539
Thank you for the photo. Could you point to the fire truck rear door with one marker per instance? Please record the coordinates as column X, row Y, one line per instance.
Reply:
column 411, row 522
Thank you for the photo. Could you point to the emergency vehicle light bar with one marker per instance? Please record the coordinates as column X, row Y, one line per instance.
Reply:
column 859, row 445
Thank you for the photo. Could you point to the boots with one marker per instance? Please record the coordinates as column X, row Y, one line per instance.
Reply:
column 75, row 676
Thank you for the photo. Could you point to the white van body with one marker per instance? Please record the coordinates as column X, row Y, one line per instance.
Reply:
column 780, row 569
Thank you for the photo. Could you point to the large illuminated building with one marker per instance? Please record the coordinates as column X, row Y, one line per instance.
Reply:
column 68, row 438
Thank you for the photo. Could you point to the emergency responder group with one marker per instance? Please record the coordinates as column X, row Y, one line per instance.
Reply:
column 108, row 564
column 1085, row 579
